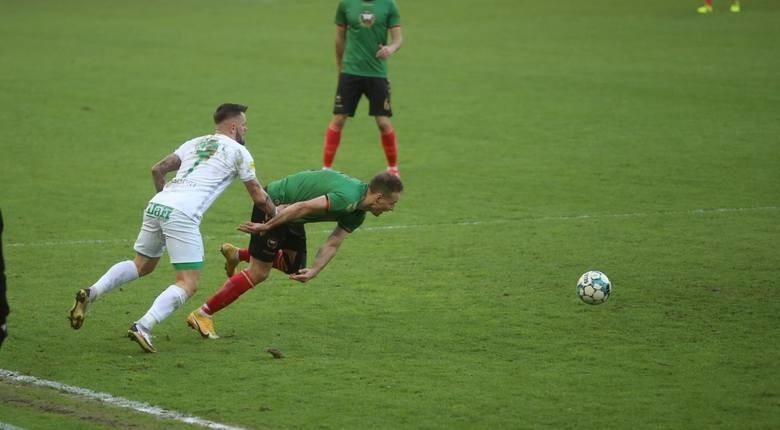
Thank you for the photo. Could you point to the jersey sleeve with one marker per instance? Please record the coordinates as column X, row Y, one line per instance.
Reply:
column 338, row 202
column 245, row 165
column 393, row 17
column 183, row 150
column 341, row 15
column 344, row 208
column 352, row 221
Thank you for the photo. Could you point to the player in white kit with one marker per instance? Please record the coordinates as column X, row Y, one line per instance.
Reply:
column 204, row 167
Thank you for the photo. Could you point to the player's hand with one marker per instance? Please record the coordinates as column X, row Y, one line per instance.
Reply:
column 304, row 275
column 384, row 52
column 253, row 227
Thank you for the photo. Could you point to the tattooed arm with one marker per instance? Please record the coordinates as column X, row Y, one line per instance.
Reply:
column 260, row 197
column 170, row 163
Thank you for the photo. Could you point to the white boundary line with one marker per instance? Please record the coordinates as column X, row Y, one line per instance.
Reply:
column 452, row 224
column 115, row 401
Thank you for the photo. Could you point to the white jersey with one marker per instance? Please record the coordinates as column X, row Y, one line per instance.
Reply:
column 208, row 165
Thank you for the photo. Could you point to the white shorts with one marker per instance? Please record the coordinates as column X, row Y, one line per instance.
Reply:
column 175, row 231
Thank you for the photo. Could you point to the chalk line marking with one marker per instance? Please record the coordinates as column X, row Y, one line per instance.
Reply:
column 451, row 224
column 115, row 401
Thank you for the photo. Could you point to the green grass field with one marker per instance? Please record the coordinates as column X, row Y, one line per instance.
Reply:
column 537, row 140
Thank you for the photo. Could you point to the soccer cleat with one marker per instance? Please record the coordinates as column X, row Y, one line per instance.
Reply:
column 704, row 9
column 735, row 7
column 141, row 337
column 394, row 171
column 230, row 253
column 203, row 324
column 79, row 310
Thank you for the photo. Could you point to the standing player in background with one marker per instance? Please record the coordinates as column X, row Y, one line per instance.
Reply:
column 361, row 57
column 205, row 166
column 4, row 310
column 707, row 7
column 312, row 196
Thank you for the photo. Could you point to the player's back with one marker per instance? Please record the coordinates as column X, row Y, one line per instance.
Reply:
column 309, row 184
column 343, row 192
column 208, row 165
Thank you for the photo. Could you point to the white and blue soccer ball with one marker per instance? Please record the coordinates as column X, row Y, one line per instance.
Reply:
column 594, row 287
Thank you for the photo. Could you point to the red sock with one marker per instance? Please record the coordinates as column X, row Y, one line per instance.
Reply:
column 708, row 2
column 235, row 286
column 243, row 254
column 391, row 148
column 332, row 140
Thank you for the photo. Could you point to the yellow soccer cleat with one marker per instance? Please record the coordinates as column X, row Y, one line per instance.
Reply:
column 79, row 310
column 230, row 253
column 735, row 7
column 704, row 9
column 203, row 324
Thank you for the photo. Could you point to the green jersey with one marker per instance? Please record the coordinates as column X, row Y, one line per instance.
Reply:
column 367, row 22
column 343, row 192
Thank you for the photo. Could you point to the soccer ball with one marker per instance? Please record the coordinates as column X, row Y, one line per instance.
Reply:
column 594, row 287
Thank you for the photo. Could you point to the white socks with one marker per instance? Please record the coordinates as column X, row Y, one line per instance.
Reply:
column 164, row 305
column 123, row 272
column 119, row 274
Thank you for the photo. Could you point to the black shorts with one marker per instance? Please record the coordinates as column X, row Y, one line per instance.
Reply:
column 288, row 237
column 352, row 87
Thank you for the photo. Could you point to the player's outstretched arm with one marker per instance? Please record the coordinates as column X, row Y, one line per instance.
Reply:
column 326, row 253
column 292, row 212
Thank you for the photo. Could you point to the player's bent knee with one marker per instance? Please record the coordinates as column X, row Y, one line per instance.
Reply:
column 256, row 274
column 338, row 122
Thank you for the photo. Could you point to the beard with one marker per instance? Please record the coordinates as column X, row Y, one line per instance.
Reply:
column 240, row 139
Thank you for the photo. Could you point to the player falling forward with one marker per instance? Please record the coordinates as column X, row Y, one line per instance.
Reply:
column 311, row 196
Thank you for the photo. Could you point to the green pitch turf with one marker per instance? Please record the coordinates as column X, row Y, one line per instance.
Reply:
column 538, row 140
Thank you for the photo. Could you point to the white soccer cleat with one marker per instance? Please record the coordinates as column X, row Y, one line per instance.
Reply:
column 141, row 337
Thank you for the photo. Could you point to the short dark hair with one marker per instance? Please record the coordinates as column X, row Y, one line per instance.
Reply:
column 227, row 111
column 386, row 183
